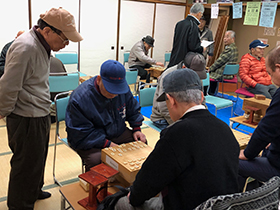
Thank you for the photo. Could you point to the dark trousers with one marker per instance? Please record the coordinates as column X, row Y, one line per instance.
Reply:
column 92, row 157
column 213, row 89
column 141, row 70
column 28, row 140
column 259, row 168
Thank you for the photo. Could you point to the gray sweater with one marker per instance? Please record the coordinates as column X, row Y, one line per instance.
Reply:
column 25, row 85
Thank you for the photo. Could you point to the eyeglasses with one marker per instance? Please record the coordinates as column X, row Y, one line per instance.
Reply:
column 64, row 41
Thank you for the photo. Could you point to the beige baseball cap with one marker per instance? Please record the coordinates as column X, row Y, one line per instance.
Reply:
column 64, row 21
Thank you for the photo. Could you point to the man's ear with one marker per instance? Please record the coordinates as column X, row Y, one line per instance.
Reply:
column 202, row 97
column 98, row 79
column 277, row 65
column 171, row 99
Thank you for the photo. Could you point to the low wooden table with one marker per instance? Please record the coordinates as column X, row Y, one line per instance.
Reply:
column 155, row 71
column 262, row 105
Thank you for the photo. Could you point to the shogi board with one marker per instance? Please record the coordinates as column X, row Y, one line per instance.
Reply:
column 242, row 138
column 155, row 71
column 126, row 158
column 260, row 104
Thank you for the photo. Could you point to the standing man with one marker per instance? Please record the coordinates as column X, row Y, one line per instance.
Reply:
column 229, row 55
column 4, row 53
column 97, row 112
column 266, row 136
column 186, row 36
column 186, row 166
column 138, row 56
column 252, row 70
column 25, row 100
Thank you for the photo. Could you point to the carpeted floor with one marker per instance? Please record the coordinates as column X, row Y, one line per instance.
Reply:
column 223, row 114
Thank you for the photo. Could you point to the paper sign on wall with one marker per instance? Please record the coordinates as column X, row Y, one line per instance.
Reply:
column 252, row 13
column 214, row 11
column 237, row 10
column 268, row 13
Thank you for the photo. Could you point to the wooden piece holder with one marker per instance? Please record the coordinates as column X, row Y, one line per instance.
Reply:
column 251, row 116
column 97, row 176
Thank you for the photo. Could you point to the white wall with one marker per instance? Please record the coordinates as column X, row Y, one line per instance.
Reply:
column 99, row 26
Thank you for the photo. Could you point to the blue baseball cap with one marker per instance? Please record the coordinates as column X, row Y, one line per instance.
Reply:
column 113, row 77
column 257, row 43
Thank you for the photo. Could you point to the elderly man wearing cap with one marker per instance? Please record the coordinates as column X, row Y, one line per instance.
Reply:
column 195, row 158
column 252, row 70
column 160, row 115
column 266, row 137
column 25, row 100
column 138, row 57
column 97, row 112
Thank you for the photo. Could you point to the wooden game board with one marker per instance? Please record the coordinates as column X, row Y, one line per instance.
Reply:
column 126, row 158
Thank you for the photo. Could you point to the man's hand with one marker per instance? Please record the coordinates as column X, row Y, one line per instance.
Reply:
column 138, row 135
column 113, row 144
column 242, row 156
column 159, row 64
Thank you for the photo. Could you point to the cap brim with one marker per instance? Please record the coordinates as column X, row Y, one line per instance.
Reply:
column 161, row 98
column 263, row 46
column 119, row 88
column 73, row 36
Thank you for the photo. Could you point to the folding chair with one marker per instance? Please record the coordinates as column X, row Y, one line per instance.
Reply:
column 125, row 57
column 219, row 103
column 146, row 95
column 131, row 78
column 69, row 58
column 230, row 69
column 167, row 57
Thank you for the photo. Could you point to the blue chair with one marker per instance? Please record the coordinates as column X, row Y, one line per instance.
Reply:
column 230, row 69
column 61, row 82
column 167, row 57
column 219, row 103
column 69, row 58
column 146, row 95
column 125, row 57
column 131, row 78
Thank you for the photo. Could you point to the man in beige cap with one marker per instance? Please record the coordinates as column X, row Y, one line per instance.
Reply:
column 25, row 101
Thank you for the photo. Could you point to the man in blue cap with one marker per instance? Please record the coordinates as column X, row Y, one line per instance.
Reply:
column 252, row 70
column 97, row 111
column 195, row 158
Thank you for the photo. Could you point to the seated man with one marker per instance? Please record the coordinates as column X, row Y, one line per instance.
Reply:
column 138, row 56
column 252, row 70
column 195, row 158
column 266, row 136
column 97, row 111
column 229, row 55
column 160, row 115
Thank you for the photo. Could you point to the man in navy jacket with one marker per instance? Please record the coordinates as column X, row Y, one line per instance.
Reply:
column 266, row 137
column 97, row 112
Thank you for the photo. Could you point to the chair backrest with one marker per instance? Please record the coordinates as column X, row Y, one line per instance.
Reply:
column 231, row 69
column 62, row 83
column 206, row 82
column 131, row 77
column 125, row 57
column 61, row 105
column 146, row 95
column 167, row 57
column 67, row 57
column 264, row 197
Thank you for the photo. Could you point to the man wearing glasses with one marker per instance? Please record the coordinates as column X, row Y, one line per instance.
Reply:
column 25, row 100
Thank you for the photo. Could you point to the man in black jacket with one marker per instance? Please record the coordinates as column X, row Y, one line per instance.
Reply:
column 195, row 158
column 186, row 36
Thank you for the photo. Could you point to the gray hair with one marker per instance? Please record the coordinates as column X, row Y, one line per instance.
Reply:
column 197, row 8
column 232, row 33
column 188, row 96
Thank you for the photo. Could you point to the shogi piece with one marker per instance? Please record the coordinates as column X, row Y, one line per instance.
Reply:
column 126, row 158
column 108, row 172
column 260, row 97
column 94, row 179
